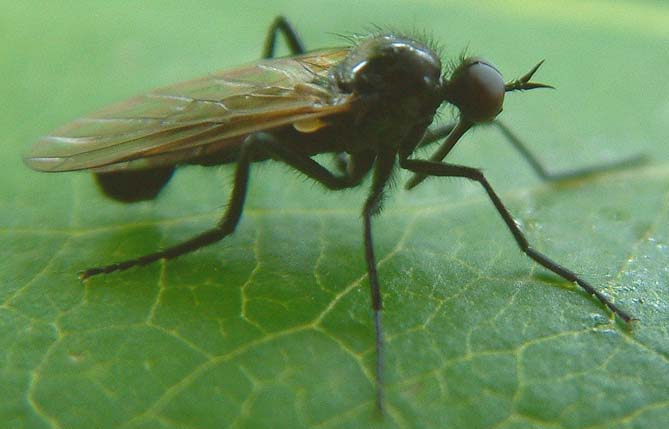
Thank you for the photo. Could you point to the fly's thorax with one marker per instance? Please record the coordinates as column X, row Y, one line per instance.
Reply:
column 399, row 72
column 380, row 127
column 396, row 82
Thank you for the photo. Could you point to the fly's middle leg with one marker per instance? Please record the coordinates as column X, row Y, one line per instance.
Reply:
column 281, row 25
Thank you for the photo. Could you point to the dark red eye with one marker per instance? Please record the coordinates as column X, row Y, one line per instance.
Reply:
column 477, row 89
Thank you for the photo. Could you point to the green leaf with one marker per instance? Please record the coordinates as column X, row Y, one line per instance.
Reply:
column 272, row 327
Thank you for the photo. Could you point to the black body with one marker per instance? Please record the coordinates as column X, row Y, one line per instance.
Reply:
column 396, row 86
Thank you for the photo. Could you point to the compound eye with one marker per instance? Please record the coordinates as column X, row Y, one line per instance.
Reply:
column 477, row 88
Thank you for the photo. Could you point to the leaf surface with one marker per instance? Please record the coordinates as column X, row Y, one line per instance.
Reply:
column 272, row 327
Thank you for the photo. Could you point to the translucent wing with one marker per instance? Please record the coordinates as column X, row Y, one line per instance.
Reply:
column 194, row 118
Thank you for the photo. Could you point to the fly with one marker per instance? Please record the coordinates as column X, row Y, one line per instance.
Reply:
column 370, row 104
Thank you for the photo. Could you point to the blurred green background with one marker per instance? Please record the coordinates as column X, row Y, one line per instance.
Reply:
column 272, row 327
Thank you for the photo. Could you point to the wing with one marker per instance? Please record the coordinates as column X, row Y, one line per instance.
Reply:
column 193, row 118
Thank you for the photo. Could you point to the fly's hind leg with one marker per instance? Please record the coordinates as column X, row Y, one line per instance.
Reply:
column 281, row 25
column 258, row 143
column 225, row 227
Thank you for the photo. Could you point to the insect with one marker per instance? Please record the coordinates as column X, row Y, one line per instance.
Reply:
column 370, row 104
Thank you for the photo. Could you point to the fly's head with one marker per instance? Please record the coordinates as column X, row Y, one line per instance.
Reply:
column 477, row 89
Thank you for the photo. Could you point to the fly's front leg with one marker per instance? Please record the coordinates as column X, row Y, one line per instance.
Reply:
column 442, row 131
column 435, row 133
column 453, row 135
column 544, row 174
column 254, row 144
column 430, row 168
column 281, row 25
